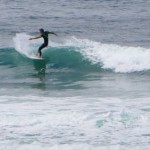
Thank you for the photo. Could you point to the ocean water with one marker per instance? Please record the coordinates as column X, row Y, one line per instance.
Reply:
column 92, row 90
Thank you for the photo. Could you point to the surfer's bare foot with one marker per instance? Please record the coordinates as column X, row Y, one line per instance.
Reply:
column 37, row 55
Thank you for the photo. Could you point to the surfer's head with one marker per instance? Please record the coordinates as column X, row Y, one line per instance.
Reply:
column 41, row 30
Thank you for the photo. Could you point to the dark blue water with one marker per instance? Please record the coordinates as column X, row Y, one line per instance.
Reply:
column 91, row 91
column 120, row 22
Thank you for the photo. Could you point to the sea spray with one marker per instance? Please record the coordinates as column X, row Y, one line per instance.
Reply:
column 23, row 45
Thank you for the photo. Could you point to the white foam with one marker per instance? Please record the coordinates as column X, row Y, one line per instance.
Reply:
column 29, row 122
column 115, row 57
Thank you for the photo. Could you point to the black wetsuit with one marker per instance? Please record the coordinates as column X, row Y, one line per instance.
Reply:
column 45, row 44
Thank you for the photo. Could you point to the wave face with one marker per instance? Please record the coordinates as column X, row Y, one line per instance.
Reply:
column 83, row 54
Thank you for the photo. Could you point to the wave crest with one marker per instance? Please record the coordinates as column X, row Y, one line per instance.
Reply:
column 83, row 51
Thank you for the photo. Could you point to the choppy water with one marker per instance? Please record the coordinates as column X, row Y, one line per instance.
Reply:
column 92, row 90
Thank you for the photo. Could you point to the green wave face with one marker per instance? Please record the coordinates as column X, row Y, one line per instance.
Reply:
column 58, row 57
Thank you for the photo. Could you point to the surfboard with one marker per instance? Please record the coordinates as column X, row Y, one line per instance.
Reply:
column 36, row 57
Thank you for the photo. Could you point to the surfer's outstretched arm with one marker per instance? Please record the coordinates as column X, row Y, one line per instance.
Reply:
column 37, row 37
column 52, row 33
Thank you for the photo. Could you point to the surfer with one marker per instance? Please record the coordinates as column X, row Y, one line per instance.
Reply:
column 44, row 35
